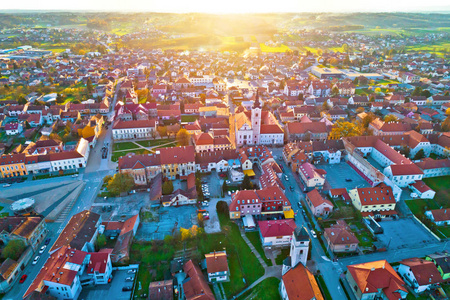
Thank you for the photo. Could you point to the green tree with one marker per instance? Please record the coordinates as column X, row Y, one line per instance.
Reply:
column 335, row 91
column 183, row 137
column 390, row 118
column 89, row 86
column 13, row 249
column 198, row 187
column 101, row 241
column 224, row 187
column 38, row 65
column 21, row 99
column 59, row 98
column 419, row 155
column 167, row 187
column 405, row 150
column 246, row 183
column 120, row 183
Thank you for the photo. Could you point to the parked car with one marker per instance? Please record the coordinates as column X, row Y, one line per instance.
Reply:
column 348, row 179
column 291, row 188
column 47, row 241
column 286, row 178
column 74, row 175
column 23, row 278
column 132, row 271
column 36, row 259
column 129, row 279
column 6, row 185
column 313, row 234
column 228, row 182
column 127, row 288
column 223, row 175
column 42, row 249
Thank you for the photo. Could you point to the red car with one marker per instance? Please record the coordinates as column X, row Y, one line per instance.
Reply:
column 223, row 175
column 23, row 278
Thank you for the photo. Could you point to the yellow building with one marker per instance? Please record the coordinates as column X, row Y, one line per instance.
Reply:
column 376, row 201
column 12, row 165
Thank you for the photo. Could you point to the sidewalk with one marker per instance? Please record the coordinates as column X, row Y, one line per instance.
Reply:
column 261, row 261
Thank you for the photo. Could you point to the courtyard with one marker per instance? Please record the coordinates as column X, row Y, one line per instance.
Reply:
column 338, row 173
column 404, row 233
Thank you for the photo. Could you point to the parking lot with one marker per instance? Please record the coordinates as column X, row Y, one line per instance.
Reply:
column 112, row 290
column 170, row 219
column 404, row 233
column 338, row 173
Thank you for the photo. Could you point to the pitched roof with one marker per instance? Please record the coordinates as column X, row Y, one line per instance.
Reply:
column 381, row 194
column 372, row 276
column 216, row 262
column 300, row 284
column 317, row 199
column 442, row 214
column 177, row 155
column 274, row 228
column 195, row 286
column 424, row 271
column 340, row 234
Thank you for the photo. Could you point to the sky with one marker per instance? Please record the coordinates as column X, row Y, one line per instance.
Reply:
column 230, row 6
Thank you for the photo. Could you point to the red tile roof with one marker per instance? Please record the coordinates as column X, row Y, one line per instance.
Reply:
column 300, row 284
column 378, row 275
column 216, row 262
column 195, row 286
column 274, row 228
column 317, row 199
column 424, row 271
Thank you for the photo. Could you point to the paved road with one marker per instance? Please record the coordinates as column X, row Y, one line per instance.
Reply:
column 329, row 270
column 93, row 175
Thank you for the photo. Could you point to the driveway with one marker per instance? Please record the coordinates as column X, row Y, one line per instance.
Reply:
column 404, row 233
column 111, row 290
column 337, row 173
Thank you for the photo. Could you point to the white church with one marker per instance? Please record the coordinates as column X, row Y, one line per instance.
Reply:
column 256, row 127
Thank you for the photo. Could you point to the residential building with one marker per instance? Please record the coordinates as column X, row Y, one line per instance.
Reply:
column 442, row 262
column 13, row 165
column 177, row 162
column 318, row 204
column 276, row 233
column 161, row 290
column 375, row 279
column 378, row 201
column 135, row 129
column 440, row 217
column 143, row 168
column 311, row 176
column 30, row 229
column 419, row 274
column 340, row 238
column 195, row 285
column 217, row 266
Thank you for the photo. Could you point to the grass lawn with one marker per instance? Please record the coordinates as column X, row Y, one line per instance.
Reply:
column 277, row 49
column 242, row 263
column 189, row 118
column 265, row 290
column 115, row 156
column 441, row 185
column 124, row 146
column 3, row 215
column 282, row 256
column 1, row 208
column 153, row 143
column 151, row 256
column 419, row 206
column 256, row 241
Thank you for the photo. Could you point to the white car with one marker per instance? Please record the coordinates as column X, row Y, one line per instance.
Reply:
column 36, row 259
column 313, row 234
column 42, row 249
column 6, row 185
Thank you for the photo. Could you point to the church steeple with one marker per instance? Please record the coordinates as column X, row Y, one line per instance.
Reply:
column 257, row 103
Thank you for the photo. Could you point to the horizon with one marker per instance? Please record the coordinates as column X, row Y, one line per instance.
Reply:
column 231, row 7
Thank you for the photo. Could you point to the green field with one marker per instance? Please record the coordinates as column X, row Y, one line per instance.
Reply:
column 124, row 146
column 189, row 119
column 115, row 155
column 441, row 49
column 256, row 241
column 265, row 290
column 153, row 143
column 277, row 49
